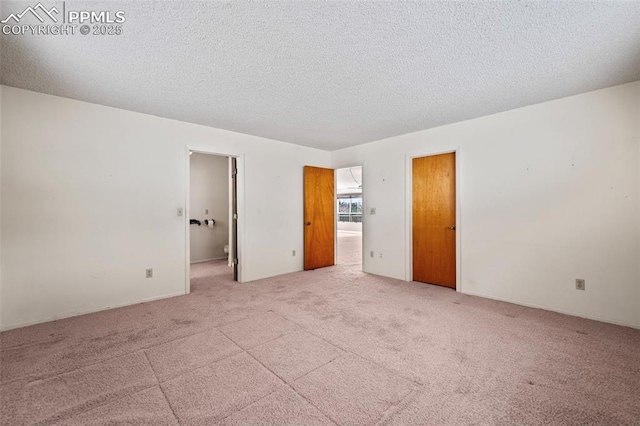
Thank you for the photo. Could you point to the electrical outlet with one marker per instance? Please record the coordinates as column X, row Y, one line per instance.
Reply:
column 293, row 253
column 206, row 211
column 180, row 212
column 380, row 255
column 372, row 254
column 150, row 273
column 580, row 285
column 372, row 211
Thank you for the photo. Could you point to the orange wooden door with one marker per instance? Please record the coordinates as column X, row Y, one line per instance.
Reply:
column 434, row 219
column 319, row 218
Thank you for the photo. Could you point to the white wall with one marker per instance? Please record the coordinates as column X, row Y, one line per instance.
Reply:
column 549, row 193
column 89, row 196
column 89, row 200
column 209, row 191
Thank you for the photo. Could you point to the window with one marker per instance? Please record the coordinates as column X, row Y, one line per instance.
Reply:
column 350, row 208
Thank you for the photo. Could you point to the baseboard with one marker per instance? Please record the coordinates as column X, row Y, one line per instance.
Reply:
column 560, row 311
column 91, row 311
column 208, row 260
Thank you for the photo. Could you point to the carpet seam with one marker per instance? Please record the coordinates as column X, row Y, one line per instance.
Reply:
column 327, row 416
column 34, row 377
column 205, row 366
column 397, row 408
column 319, row 367
column 84, row 408
column 268, row 341
column 249, row 405
column 200, row 367
column 161, row 390
column 91, row 404
column 281, row 379
column 263, row 366
column 293, row 389
column 240, row 350
column 150, row 365
column 353, row 353
column 390, row 411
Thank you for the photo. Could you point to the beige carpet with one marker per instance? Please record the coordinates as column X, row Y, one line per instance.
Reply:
column 330, row 346
column 349, row 249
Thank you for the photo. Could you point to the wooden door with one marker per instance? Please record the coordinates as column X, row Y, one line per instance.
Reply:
column 434, row 219
column 319, row 218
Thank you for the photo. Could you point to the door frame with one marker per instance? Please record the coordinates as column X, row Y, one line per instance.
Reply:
column 335, row 205
column 409, row 209
column 240, row 224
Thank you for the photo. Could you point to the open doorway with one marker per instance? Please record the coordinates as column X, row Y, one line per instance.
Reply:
column 212, row 215
column 349, row 204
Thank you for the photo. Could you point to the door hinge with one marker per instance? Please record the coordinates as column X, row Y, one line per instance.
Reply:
column 235, row 261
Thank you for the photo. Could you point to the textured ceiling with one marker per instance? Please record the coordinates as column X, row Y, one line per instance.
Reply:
column 331, row 74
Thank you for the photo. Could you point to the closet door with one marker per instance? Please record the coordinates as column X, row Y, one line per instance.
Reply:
column 319, row 217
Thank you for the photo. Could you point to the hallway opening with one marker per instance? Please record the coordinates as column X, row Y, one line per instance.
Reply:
column 349, row 203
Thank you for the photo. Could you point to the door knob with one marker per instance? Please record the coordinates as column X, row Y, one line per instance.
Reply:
column 453, row 228
column 308, row 223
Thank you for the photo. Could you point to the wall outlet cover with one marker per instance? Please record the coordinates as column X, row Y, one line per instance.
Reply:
column 150, row 273
column 580, row 284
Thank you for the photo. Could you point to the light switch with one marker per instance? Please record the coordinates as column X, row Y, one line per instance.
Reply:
column 372, row 211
